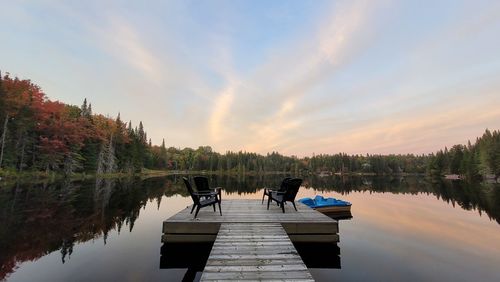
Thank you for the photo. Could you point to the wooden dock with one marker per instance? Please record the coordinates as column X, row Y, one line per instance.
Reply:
column 251, row 242
column 304, row 225
column 254, row 251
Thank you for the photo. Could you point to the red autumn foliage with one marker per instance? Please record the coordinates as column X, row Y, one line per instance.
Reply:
column 51, row 135
column 21, row 95
column 59, row 131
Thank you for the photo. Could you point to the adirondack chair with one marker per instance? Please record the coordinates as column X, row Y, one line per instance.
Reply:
column 268, row 191
column 202, row 199
column 291, row 189
column 201, row 183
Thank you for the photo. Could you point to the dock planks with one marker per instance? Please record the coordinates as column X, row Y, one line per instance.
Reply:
column 305, row 224
column 251, row 242
column 254, row 251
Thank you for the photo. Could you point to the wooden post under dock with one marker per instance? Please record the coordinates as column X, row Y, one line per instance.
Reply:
column 252, row 242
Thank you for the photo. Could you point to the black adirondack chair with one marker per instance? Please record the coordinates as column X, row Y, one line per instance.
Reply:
column 268, row 191
column 201, row 183
column 202, row 199
column 291, row 189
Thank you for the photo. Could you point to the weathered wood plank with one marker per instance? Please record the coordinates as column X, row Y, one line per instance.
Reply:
column 187, row 227
column 270, row 276
column 253, row 256
column 258, row 268
column 186, row 238
column 257, row 243
column 245, row 262
column 240, row 254
column 254, row 252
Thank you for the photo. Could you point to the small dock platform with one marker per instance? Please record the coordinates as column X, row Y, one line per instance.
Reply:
column 251, row 242
column 304, row 225
column 254, row 251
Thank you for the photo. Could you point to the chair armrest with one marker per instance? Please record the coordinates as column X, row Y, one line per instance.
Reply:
column 270, row 190
column 205, row 193
column 216, row 189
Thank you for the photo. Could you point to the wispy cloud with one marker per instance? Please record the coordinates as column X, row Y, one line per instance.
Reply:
column 337, row 36
column 269, row 135
column 269, row 102
column 124, row 42
column 415, row 133
column 353, row 76
column 220, row 112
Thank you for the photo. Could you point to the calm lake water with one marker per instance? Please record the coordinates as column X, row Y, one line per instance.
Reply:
column 402, row 229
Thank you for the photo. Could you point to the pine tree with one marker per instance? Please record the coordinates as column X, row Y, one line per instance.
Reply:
column 84, row 108
column 3, row 114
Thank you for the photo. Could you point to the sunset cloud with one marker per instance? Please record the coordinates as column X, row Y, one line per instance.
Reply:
column 125, row 42
column 220, row 112
column 298, row 78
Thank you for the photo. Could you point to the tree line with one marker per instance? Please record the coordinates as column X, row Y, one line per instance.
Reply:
column 38, row 134
column 472, row 161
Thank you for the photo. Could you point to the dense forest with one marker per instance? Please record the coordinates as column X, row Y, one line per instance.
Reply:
column 38, row 134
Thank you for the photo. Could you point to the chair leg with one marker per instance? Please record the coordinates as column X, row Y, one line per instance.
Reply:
column 220, row 210
column 263, row 195
column 197, row 210
column 283, row 206
column 268, row 201
column 214, row 206
column 294, row 206
column 194, row 206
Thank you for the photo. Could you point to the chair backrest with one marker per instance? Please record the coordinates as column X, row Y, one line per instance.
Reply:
column 284, row 183
column 201, row 183
column 195, row 198
column 292, row 187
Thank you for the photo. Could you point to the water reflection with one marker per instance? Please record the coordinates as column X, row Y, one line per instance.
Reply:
column 40, row 219
column 190, row 256
column 483, row 197
column 319, row 255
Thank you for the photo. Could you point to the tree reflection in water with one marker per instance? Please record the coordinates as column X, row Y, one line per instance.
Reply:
column 37, row 219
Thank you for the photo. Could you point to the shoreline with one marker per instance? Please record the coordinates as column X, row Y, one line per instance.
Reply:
column 9, row 177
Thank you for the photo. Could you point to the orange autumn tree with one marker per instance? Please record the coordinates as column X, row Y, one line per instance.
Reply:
column 61, row 136
column 19, row 102
column 39, row 134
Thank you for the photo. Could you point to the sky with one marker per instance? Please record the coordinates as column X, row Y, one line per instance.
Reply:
column 297, row 77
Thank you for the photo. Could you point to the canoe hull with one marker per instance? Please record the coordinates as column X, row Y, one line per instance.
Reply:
column 333, row 209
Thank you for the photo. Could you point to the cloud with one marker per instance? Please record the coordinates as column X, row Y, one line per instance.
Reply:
column 417, row 133
column 270, row 104
column 124, row 41
column 347, row 79
column 338, row 34
column 270, row 134
column 220, row 112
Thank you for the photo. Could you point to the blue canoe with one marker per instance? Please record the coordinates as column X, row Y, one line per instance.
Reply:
column 327, row 205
